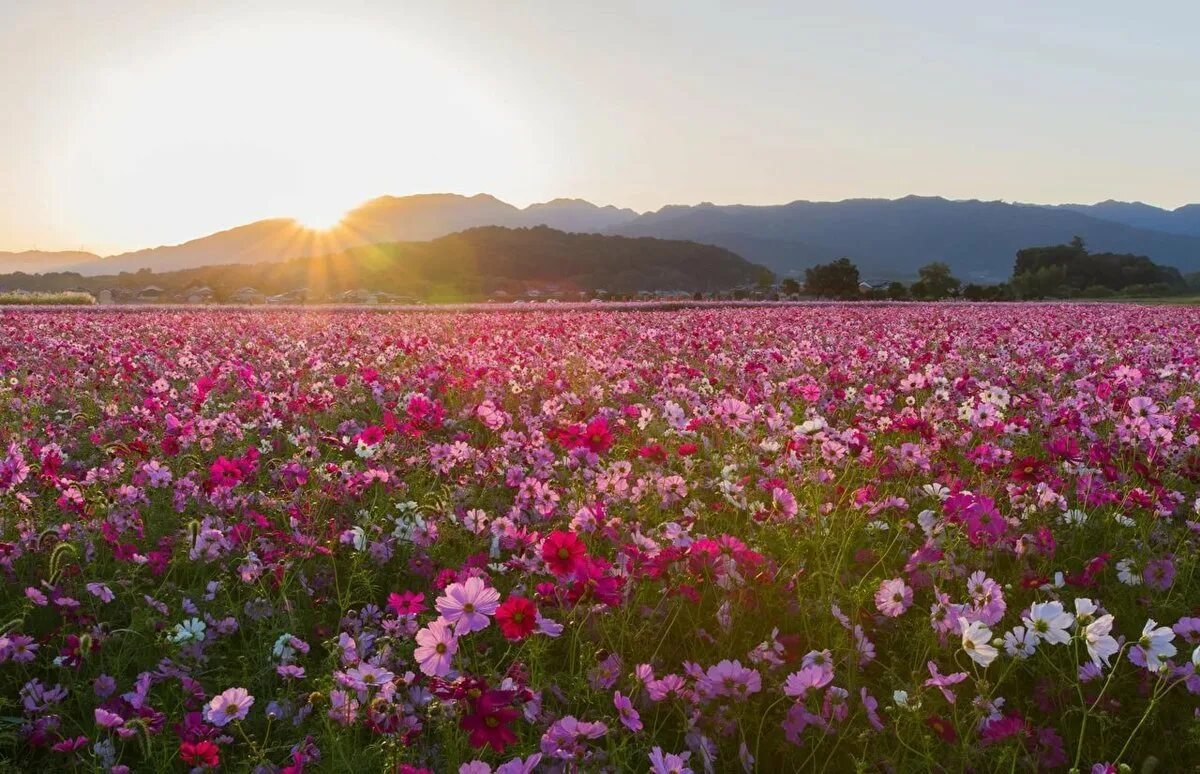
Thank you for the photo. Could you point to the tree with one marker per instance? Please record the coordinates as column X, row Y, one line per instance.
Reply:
column 764, row 279
column 973, row 292
column 1039, row 283
column 897, row 291
column 1078, row 270
column 936, row 282
column 833, row 280
column 790, row 287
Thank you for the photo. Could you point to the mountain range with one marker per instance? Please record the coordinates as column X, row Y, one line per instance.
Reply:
column 887, row 238
column 471, row 264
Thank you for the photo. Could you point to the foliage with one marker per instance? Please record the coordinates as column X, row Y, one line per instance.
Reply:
column 65, row 298
column 838, row 279
column 974, row 292
column 935, row 282
column 1064, row 270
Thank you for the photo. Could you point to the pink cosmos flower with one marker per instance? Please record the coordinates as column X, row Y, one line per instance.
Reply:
column 893, row 597
column 668, row 763
column 367, row 675
column 231, row 704
column 406, row 603
column 628, row 715
column 730, row 678
column 798, row 684
column 943, row 682
column 468, row 605
column 436, row 646
column 106, row 719
column 667, row 686
column 871, row 705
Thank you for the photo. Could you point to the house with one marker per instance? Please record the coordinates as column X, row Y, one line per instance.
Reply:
column 247, row 295
column 201, row 294
column 360, row 296
column 298, row 296
column 149, row 294
column 105, row 297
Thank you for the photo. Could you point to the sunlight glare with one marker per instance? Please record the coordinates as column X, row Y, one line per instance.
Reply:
column 305, row 122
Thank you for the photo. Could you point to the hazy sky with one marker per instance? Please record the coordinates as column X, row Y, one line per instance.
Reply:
column 126, row 124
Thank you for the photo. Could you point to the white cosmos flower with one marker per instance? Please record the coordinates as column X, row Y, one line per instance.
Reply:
column 977, row 641
column 191, row 630
column 940, row 491
column 1084, row 610
column 1018, row 643
column 1075, row 516
column 1156, row 644
column 1047, row 621
column 1127, row 573
column 1101, row 645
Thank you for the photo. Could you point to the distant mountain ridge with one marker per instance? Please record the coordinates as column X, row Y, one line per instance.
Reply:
column 30, row 261
column 471, row 264
column 1182, row 220
column 887, row 238
column 892, row 238
column 384, row 219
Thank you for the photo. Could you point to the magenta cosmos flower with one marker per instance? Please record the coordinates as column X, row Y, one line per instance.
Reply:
column 468, row 605
column 232, row 704
column 436, row 646
column 893, row 597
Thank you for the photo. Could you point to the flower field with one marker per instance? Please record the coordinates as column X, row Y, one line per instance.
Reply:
column 828, row 538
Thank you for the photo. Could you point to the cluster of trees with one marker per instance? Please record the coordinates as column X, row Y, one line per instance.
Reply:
column 1063, row 271
column 1056, row 271
column 840, row 279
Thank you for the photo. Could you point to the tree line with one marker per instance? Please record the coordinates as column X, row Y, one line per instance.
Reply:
column 1054, row 271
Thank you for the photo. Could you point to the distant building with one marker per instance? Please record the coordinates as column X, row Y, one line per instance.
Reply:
column 201, row 294
column 247, row 295
column 298, row 296
column 360, row 296
column 150, row 294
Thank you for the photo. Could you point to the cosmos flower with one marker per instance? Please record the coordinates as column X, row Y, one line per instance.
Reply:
column 893, row 597
column 436, row 646
column 191, row 630
column 1153, row 646
column 1101, row 646
column 943, row 682
column 517, row 617
column 228, row 706
column 488, row 722
column 976, row 641
column 406, row 603
column 468, row 605
column 563, row 552
column 1048, row 622
column 202, row 753
column 668, row 763
column 628, row 715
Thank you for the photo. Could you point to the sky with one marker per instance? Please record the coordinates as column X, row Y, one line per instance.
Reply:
column 133, row 123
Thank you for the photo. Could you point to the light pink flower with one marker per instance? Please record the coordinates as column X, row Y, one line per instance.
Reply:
column 468, row 605
column 436, row 646
column 893, row 597
column 231, row 704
